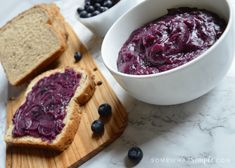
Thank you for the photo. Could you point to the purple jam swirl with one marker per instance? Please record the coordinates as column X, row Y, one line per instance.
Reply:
column 170, row 41
column 44, row 110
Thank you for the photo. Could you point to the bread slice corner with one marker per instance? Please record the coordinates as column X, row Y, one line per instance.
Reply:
column 31, row 41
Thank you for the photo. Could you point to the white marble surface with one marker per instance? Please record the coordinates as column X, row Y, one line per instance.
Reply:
column 198, row 134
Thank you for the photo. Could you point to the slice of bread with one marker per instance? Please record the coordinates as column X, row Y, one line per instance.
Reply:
column 58, row 21
column 31, row 41
column 73, row 115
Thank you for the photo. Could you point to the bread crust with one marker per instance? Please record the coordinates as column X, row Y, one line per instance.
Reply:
column 72, row 119
column 55, row 23
column 59, row 21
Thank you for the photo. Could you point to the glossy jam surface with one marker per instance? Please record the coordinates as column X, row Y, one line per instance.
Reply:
column 170, row 41
column 43, row 112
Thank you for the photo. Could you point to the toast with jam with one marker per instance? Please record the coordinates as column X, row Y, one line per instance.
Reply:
column 49, row 115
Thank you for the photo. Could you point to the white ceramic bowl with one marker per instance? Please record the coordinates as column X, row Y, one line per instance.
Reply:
column 184, row 83
column 100, row 24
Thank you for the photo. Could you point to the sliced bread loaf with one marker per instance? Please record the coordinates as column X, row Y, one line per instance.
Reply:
column 31, row 41
column 39, row 105
column 58, row 21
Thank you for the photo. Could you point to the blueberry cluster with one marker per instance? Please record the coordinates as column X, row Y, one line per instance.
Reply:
column 95, row 7
column 104, row 110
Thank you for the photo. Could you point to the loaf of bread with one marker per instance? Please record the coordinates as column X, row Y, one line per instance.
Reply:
column 31, row 41
column 62, row 140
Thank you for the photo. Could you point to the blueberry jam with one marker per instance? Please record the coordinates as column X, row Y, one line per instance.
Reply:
column 44, row 110
column 170, row 41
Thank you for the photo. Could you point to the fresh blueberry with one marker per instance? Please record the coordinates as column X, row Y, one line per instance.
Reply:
column 97, row 127
column 135, row 154
column 96, row 12
column 99, row 1
column 83, row 14
column 87, row 3
column 105, row 110
column 97, row 6
column 108, row 3
column 79, row 10
column 89, row 15
column 89, row 9
column 77, row 56
column 103, row 9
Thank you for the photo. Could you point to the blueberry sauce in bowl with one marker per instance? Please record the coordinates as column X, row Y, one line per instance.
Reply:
column 170, row 41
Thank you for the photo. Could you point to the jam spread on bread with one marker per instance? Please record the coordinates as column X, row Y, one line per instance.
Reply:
column 170, row 41
column 43, row 112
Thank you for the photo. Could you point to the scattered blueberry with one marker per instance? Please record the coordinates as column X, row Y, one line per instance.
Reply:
column 105, row 110
column 77, row 56
column 135, row 154
column 97, row 127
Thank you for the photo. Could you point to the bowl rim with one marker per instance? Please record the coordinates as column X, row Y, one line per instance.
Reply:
column 176, row 69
